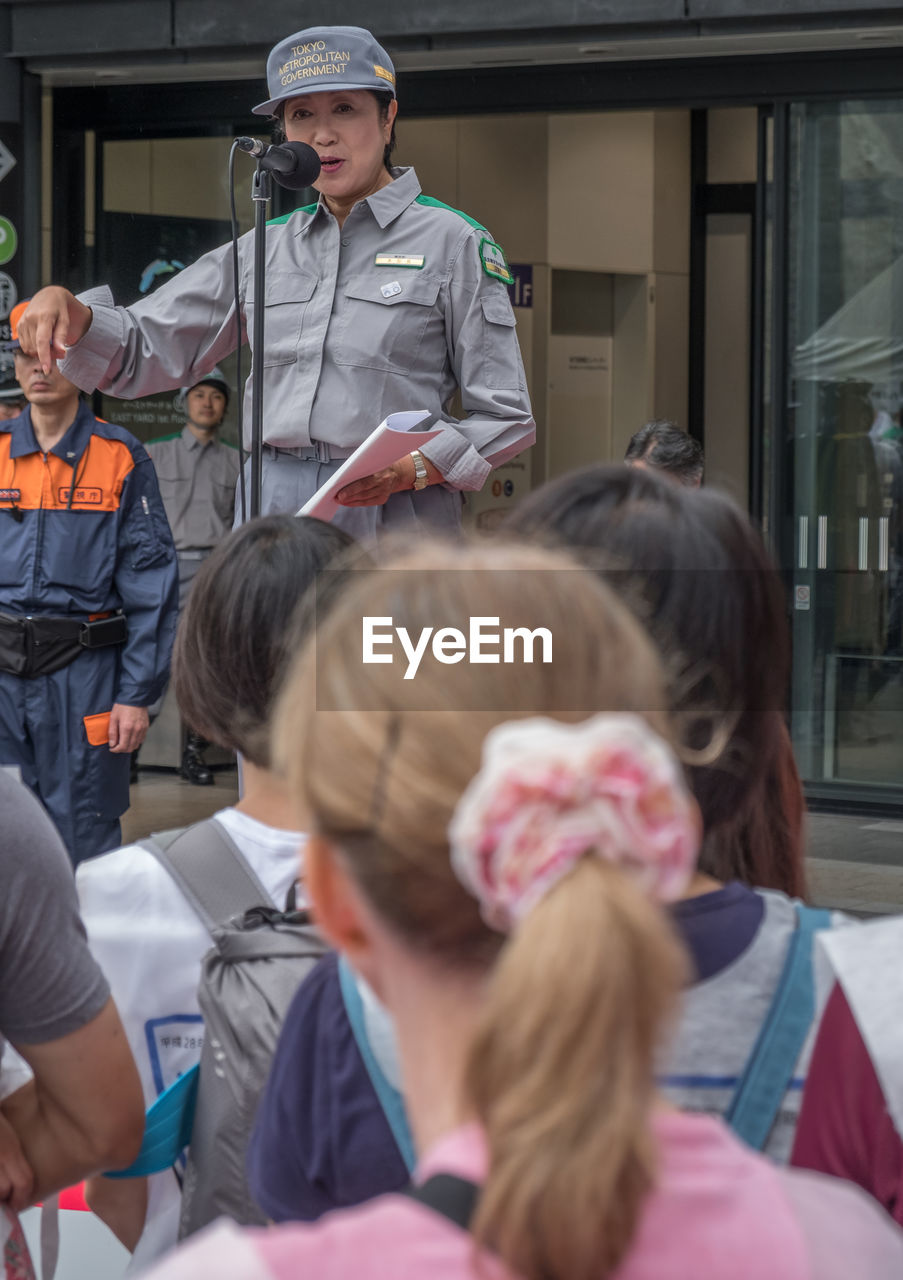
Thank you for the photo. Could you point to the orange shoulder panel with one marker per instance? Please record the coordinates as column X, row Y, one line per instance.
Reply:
column 102, row 470
column 21, row 479
column 34, row 481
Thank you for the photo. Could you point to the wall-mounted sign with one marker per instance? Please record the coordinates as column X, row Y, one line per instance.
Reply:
column 9, row 240
column 9, row 295
column 7, row 160
column 521, row 291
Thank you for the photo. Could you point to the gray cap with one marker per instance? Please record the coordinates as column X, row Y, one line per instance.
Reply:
column 322, row 58
column 215, row 378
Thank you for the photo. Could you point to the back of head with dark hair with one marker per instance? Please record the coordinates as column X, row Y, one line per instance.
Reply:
column 695, row 570
column 240, row 627
column 663, row 446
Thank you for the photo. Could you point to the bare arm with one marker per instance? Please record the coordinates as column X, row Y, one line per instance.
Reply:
column 84, row 1110
column 121, row 1204
column 16, row 1178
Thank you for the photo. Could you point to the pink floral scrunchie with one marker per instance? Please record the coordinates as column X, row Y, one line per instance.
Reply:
column 547, row 793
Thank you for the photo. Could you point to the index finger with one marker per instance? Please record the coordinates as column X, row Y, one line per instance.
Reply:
column 50, row 340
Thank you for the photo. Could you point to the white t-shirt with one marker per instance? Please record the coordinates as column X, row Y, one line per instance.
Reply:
column 150, row 942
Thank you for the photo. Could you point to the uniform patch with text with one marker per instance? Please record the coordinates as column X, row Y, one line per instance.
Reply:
column 493, row 258
column 90, row 497
column 10, row 495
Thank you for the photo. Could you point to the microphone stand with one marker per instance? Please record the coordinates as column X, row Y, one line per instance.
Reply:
column 261, row 192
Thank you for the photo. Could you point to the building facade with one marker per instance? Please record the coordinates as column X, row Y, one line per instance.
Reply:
column 702, row 201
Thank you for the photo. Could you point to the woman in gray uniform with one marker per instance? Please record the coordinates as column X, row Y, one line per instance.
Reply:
column 378, row 299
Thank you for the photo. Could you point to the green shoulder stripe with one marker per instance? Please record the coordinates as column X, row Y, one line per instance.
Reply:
column 175, row 435
column 439, row 204
column 277, row 222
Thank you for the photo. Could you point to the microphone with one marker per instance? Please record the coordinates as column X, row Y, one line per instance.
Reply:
column 293, row 164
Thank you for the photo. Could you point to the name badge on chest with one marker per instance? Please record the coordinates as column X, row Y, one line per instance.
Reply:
column 414, row 260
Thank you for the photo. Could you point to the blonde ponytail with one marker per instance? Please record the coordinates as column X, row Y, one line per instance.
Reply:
column 561, row 1075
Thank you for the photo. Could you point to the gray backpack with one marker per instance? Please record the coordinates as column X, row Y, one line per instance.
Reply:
column 260, row 956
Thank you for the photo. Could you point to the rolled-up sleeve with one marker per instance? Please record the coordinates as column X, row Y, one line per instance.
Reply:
column 482, row 342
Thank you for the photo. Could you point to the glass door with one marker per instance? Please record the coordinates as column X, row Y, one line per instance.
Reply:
column 843, row 443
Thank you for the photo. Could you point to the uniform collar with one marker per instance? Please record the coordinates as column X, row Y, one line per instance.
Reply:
column 190, row 440
column 392, row 199
column 385, row 204
column 69, row 448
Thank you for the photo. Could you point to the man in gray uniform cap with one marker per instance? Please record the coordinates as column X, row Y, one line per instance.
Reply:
column 197, row 474
column 379, row 299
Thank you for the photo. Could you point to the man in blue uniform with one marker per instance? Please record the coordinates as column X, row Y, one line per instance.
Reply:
column 88, row 604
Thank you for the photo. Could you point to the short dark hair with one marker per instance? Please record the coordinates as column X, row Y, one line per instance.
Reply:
column 383, row 98
column 239, row 629
column 662, row 445
column 696, row 572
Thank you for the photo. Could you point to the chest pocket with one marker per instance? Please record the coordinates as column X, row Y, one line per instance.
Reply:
column 287, row 296
column 174, row 486
column 224, row 501
column 386, row 333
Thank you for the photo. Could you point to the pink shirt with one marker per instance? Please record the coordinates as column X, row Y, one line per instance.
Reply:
column 719, row 1210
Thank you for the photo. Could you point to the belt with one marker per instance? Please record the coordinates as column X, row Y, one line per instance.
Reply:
column 37, row 646
column 196, row 553
column 316, row 451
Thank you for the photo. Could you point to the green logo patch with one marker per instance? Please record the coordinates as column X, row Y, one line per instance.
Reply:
column 494, row 264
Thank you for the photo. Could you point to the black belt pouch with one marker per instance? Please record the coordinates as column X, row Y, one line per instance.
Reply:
column 13, row 648
column 55, row 643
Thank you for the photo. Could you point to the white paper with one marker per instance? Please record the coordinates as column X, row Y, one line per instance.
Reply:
column 391, row 440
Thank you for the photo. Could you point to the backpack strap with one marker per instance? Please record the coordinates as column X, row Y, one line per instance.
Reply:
column 390, row 1099
column 211, row 871
column 767, row 1075
column 455, row 1198
column 50, row 1236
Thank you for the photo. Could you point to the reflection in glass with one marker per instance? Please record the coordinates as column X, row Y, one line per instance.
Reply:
column 845, row 441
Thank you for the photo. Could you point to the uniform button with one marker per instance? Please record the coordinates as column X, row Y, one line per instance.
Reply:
column 346, row 242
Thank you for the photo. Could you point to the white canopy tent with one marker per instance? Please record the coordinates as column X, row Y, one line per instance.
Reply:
column 863, row 340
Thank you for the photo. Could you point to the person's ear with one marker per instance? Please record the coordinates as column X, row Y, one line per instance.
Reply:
column 335, row 901
column 391, row 113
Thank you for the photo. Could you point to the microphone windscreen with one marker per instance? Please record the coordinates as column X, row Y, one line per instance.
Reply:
column 306, row 170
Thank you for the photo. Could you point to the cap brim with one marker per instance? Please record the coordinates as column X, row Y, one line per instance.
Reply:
column 267, row 108
column 207, row 382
